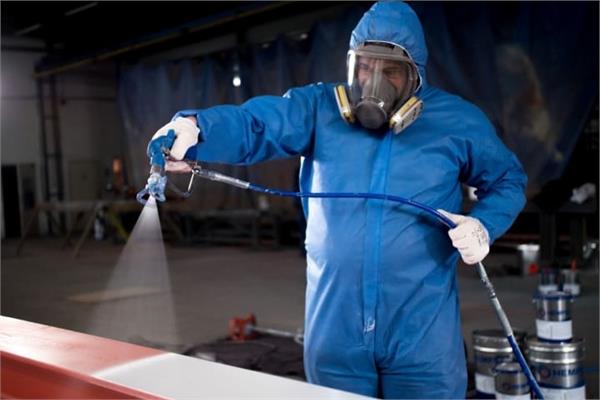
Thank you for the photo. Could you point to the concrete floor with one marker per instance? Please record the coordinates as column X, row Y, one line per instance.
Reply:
column 212, row 284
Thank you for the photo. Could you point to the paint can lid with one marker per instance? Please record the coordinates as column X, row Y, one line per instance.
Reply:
column 555, row 352
column 508, row 368
column 494, row 340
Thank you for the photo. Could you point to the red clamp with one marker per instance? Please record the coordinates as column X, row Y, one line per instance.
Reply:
column 242, row 329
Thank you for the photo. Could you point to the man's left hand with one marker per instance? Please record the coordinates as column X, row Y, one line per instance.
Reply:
column 469, row 237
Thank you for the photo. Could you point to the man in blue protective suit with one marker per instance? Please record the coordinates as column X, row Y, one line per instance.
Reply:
column 382, row 311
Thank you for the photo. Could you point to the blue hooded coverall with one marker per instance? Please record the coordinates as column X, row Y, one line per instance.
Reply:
column 382, row 311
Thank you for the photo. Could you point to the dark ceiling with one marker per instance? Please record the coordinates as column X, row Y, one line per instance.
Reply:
column 104, row 23
column 76, row 30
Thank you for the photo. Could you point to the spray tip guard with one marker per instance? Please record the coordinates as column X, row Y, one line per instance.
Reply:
column 155, row 186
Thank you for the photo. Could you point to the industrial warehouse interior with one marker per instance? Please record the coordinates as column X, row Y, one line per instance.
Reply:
column 307, row 200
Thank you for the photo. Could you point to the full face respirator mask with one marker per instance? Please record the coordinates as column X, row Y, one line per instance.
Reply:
column 382, row 80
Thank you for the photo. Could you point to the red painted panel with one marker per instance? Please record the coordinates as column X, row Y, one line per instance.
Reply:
column 42, row 362
column 27, row 379
column 67, row 349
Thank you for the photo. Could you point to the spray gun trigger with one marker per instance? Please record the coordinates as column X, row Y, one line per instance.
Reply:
column 191, row 166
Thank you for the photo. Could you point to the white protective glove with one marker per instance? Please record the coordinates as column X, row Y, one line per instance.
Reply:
column 469, row 237
column 186, row 135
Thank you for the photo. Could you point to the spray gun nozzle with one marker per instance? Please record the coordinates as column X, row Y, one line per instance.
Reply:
column 155, row 186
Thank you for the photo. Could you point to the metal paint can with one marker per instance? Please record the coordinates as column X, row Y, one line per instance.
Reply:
column 548, row 281
column 553, row 316
column 558, row 368
column 510, row 382
column 491, row 347
column 570, row 282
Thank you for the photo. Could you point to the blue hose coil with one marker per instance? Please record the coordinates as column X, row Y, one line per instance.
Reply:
column 350, row 195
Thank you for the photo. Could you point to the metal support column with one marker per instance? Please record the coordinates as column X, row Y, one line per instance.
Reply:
column 51, row 143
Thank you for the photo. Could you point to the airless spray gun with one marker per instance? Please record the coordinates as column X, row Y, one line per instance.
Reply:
column 158, row 150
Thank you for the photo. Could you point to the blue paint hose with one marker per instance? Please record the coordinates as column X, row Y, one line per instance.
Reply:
column 218, row 177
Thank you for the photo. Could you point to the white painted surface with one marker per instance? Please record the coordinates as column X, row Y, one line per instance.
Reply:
column 179, row 377
column 554, row 330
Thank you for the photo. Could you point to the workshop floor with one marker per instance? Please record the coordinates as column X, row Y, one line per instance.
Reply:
column 210, row 285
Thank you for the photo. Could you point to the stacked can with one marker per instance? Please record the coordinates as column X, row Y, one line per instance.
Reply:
column 558, row 368
column 553, row 316
column 555, row 357
column 569, row 281
column 510, row 383
column 548, row 281
column 491, row 348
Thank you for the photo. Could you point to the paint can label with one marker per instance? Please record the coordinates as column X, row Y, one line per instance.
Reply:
column 484, row 383
column 554, row 330
column 564, row 394
column 558, row 376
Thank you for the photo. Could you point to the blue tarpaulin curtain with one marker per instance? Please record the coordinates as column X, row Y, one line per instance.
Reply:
column 531, row 66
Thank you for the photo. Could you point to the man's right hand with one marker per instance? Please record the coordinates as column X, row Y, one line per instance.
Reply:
column 186, row 135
